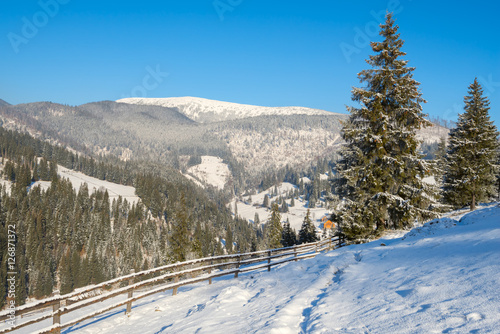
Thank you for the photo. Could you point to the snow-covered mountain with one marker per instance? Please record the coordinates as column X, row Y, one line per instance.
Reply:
column 208, row 111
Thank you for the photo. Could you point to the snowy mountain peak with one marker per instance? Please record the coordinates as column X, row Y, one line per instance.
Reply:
column 208, row 111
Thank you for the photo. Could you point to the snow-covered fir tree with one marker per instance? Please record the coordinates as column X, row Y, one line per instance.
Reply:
column 380, row 171
column 274, row 228
column 472, row 156
column 288, row 235
column 307, row 232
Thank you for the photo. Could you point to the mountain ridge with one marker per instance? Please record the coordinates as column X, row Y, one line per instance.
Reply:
column 209, row 111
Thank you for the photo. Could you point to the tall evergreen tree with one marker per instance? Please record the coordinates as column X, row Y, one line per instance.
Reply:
column 472, row 156
column 288, row 235
column 307, row 232
column 380, row 173
column 179, row 239
column 274, row 228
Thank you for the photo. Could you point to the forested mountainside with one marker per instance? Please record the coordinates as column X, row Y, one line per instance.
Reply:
column 253, row 147
column 67, row 239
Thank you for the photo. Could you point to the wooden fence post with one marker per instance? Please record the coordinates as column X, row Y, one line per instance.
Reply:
column 210, row 271
column 176, row 280
column 269, row 260
column 295, row 252
column 130, row 294
column 56, row 319
column 237, row 266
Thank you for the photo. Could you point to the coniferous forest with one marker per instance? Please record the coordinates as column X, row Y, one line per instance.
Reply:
column 67, row 239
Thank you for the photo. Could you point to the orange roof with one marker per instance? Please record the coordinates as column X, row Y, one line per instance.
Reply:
column 328, row 224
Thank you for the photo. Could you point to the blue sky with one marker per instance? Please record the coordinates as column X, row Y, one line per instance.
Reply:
column 271, row 53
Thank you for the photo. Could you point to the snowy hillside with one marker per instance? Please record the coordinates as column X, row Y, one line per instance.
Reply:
column 432, row 134
column 296, row 214
column 77, row 179
column 211, row 171
column 207, row 111
column 443, row 277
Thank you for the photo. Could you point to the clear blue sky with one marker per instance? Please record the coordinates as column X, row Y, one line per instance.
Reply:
column 272, row 53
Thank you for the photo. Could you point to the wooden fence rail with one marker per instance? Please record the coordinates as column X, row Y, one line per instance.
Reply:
column 168, row 277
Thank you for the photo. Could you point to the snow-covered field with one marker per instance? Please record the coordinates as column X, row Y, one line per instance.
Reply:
column 443, row 277
column 296, row 214
column 77, row 179
column 114, row 189
column 211, row 171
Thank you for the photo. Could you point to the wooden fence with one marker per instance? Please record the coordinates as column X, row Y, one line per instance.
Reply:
column 159, row 279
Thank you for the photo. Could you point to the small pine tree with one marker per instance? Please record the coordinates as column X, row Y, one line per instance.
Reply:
column 472, row 155
column 440, row 159
column 256, row 219
column 288, row 236
column 307, row 232
column 274, row 228
column 266, row 201
column 284, row 206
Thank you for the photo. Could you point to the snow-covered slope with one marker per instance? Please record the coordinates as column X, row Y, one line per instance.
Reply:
column 114, row 189
column 77, row 179
column 440, row 278
column 211, row 171
column 207, row 111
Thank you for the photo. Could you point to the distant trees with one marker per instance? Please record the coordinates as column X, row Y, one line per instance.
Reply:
column 472, row 156
column 380, row 172
column 307, row 232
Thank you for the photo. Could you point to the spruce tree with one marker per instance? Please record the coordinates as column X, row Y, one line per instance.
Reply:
column 274, row 228
column 380, row 171
column 307, row 232
column 256, row 219
column 266, row 201
column 472, row 156
column 288, row 236
column 179, row 239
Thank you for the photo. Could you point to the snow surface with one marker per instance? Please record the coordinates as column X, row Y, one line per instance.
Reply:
column 114, row 189
column 443, row 277
column 211, row 171
column 295, row 215
column 205, row 110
